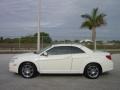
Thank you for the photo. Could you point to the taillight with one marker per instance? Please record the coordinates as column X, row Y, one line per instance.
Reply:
column 109, row 57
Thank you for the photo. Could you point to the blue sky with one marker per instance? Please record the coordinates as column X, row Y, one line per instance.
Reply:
column 60, row 18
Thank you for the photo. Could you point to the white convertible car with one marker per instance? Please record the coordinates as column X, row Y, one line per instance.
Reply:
column 62, row 59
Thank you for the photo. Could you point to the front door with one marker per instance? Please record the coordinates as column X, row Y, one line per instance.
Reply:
column 58, row 60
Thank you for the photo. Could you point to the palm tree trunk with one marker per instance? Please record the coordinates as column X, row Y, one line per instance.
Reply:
column 94, row 37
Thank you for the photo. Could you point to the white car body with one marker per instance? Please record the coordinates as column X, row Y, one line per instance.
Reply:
column 65, row 63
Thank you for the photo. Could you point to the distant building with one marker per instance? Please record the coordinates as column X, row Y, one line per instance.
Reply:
column 86, row 40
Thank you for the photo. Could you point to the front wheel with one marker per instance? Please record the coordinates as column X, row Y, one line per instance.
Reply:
column 92, row 71
column 28, row 70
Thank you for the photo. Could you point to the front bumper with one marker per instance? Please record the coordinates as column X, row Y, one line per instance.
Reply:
column 13, row 67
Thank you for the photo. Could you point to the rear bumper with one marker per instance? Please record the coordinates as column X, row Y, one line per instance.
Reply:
column 108, row 66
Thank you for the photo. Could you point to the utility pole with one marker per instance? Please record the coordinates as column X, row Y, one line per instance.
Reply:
column 38, row 33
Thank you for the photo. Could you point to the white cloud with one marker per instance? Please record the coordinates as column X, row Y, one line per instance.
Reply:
column 50, row 25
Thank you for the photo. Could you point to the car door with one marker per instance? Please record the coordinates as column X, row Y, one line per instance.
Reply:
column 79, row 58
column 58, row 60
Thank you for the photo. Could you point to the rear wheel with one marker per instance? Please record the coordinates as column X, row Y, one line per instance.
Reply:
column 92, row 71
column 28, row 70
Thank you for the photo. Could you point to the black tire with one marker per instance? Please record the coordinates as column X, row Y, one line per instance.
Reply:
column 92, row 71
column 27, row 70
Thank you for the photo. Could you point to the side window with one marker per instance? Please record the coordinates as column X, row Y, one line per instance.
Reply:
column 59, row 50
column 75, row 50
column 52, row 51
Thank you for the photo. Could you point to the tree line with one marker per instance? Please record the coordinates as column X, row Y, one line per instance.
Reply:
column 44, row 37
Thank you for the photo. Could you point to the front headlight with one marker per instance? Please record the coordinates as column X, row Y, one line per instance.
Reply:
column 13, row 59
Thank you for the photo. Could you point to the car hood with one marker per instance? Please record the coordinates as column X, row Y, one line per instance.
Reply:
column 27, row 56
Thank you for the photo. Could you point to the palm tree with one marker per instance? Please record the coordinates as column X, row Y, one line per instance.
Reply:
column 92, row 21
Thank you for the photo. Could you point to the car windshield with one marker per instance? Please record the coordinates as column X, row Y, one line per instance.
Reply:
column 43, row 49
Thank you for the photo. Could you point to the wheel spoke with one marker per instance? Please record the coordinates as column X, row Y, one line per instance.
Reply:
column 27, row 70
column 93, row 71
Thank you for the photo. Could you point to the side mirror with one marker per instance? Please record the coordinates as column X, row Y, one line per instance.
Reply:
column 45, row 54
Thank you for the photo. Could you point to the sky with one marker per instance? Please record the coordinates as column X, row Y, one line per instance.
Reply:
column 59, row 18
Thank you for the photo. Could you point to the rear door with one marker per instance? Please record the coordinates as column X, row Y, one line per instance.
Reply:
column 78, row 59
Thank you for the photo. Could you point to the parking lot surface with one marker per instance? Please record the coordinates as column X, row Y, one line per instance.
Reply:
column 11, row 81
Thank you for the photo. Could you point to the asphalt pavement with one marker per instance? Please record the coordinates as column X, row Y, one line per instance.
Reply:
column 11, row 81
